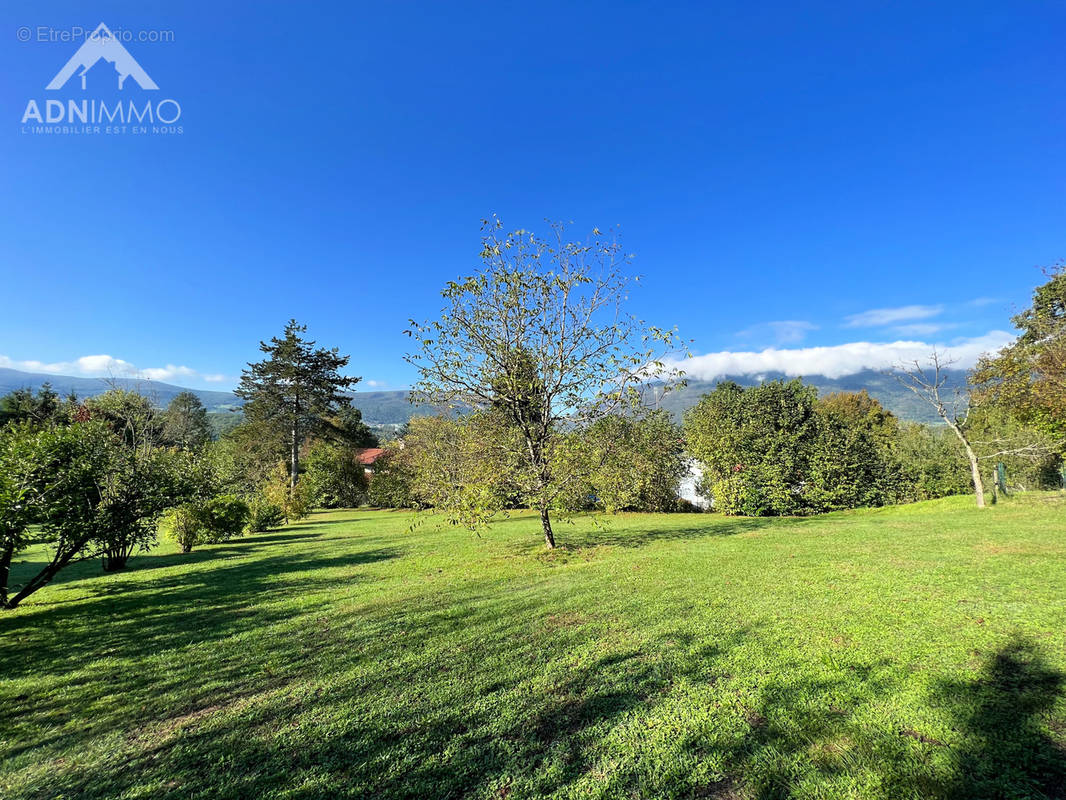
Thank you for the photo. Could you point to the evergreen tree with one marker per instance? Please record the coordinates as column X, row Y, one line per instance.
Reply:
column 185, row 422
column 297, row 389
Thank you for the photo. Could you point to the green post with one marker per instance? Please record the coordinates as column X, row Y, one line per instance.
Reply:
column 1001, row 477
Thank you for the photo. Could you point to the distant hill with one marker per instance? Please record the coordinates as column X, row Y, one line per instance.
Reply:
column 379, row 408
column 160, row 393
column 392, row 408
column 883, row 388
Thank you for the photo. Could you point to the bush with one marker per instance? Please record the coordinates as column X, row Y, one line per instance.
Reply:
column 294, row 501
column 754, row 491
column 209, row 521
column 334, row 476
column 263, row 515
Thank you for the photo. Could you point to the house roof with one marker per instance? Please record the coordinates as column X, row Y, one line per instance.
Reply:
column 368, row 455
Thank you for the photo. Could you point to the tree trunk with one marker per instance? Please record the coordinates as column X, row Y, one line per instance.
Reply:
column 115, row 561
column 975, row 467
column 975, row 470
column 5, row 572
column 546, row 525
column 294, row 475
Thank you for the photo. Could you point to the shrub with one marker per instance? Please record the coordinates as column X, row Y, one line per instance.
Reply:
column 295, row 501
column 209, row 521
column 263, row 515
column 334, row 476
column 758, row 490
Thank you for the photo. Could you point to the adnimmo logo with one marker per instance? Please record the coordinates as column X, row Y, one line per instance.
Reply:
column 101, row 82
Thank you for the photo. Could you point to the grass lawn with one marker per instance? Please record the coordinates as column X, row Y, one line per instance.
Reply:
column 909, row 652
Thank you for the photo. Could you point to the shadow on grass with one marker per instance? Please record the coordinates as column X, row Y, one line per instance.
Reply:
column 473, row 690
column 1002, row 750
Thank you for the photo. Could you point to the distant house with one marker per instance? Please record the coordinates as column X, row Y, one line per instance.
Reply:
column 367, row 456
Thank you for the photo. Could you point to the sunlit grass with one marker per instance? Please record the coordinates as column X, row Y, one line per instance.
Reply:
column 916, row 651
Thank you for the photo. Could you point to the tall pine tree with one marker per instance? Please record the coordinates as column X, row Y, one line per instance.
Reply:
column 296, row 388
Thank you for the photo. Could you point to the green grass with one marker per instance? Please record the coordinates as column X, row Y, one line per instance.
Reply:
column 910, row 652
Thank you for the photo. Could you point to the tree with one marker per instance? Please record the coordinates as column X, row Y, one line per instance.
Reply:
column 23, row 405
column 927, row 382
column 1028, row 377
column 852, row 463
column 755, row 445
column 59, row 489
column 635, row 463
column 295, row 389
column 334, row 476
column 462, row 466
column 538, row 333
column 185, row 422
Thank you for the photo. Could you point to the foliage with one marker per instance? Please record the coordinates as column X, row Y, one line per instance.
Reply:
column 295, row 389
column 537, row 335
column 245, row 457
column 185, row 422
column 1028, row 377
column 393, row 483
column 768, row 431
column 55, row 482
column 294, row 502
column 23, row 405
column 931, row 464
column 462, row 466
column 852, row 462
column 263, row 515
column 334, row 476
column 779, row 449
column 210, row 521
column 634, row 463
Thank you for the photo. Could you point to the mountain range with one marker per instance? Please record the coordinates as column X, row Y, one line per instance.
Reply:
column 393, row 408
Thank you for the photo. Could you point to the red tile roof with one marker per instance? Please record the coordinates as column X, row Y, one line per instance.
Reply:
column 368, row 455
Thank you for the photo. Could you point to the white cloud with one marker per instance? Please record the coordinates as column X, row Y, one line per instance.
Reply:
column 886, row 316
column 835, row 361
column 375, row 384
column 105, row 366
column 784, row 331
column 922, row 328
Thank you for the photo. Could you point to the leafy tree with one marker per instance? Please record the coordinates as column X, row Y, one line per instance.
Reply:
column 393, row 483
column 463, row 466
column 852, row 462
column 972, row 420
column 636, row 463
column 295, row 389
column 1028, row 378
column 185, row 422
column 755, row 445
column 58, row 487
column 334, row 476
column 132, row 417
column 538, row 334
column 931, row 463
column 348, row 427
column 246, row 457
column 294, row 502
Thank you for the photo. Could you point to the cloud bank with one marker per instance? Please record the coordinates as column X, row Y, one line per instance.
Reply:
column 835, row 361
column 105, row 366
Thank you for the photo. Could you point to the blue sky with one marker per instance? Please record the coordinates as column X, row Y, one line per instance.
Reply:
column 801, row 185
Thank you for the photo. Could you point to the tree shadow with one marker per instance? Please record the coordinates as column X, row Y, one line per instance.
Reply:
column 1004, row 716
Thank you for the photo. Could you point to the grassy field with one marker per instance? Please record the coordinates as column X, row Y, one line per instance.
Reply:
column 910, row 652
